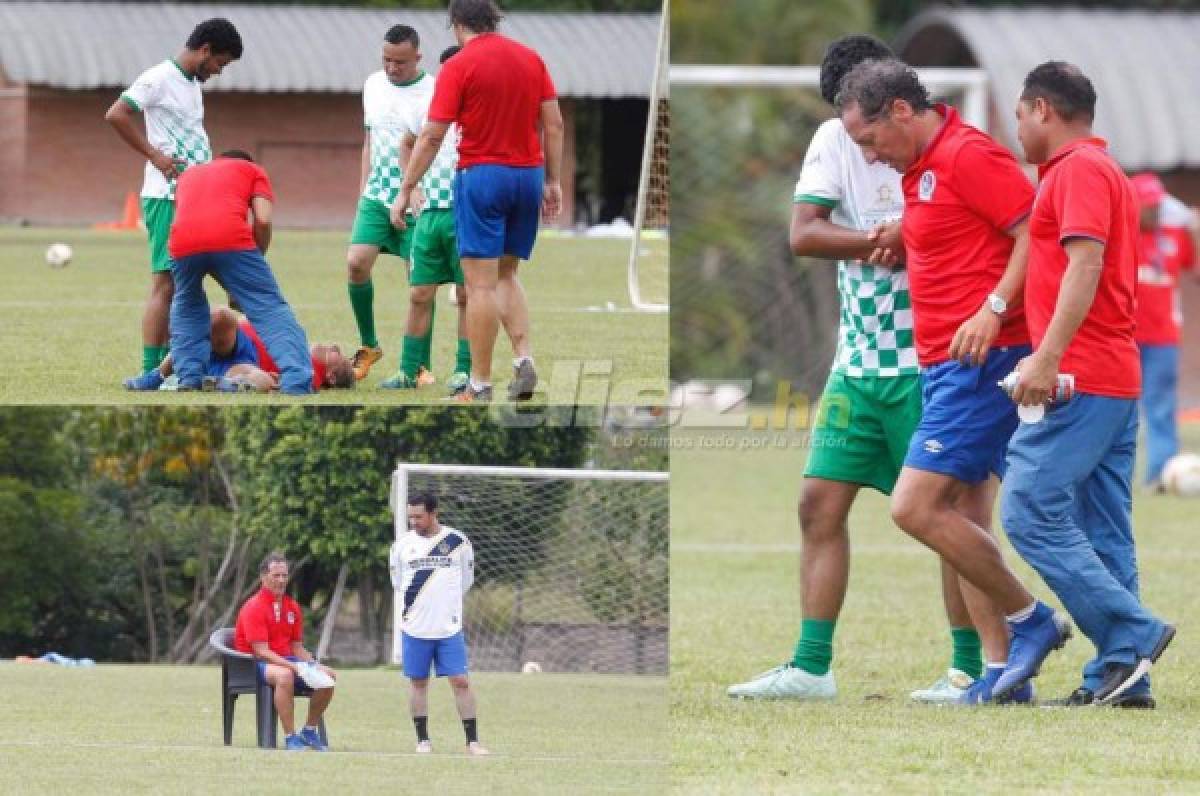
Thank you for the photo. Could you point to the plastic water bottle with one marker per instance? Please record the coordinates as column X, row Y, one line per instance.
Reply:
column 1064, row 388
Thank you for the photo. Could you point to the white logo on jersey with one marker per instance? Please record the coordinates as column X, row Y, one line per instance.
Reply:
column 932, row 445
column 926, row 185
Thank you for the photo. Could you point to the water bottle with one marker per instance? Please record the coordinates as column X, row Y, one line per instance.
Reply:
column 1064, row 388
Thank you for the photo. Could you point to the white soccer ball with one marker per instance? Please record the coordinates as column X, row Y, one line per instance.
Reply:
column 531, row 667
column 1181, row 475
column 58, row 255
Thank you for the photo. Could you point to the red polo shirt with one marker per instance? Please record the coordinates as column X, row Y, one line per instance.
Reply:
column 211, row 202
column 960, row 197
column 260, row 621
column 494, row 89
column 1165, row 253
column 1084, row 194
column 266, row 363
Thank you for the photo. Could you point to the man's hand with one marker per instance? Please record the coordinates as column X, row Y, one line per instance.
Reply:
column 889, row 244
column 551, row 200
column 1037, row 376
column 974, row 338
column 404, row 200
column 167, row 165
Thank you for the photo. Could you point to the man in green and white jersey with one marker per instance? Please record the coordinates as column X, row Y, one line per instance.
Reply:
column 434, row 262
column 391, row 97
column 872, row 400
column 168, row 97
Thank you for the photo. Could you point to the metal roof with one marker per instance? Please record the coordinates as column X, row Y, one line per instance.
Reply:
column 83, row 45
column 1145, row 66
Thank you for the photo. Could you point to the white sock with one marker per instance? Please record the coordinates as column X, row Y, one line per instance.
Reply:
column 478, row 386
column 997, row 664
column 517, row 362
column 1023, row 614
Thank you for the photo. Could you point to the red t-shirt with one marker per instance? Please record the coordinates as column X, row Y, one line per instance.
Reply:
column 266, row 363
column 494, row 89
column 1084, row 194
column 211, row 203
column 260, row 621
column 960, row 197
column 1164, row 254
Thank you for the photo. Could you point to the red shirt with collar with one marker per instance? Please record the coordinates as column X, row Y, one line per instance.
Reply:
column 262, row 619
column 960, row 197
column 494, row 89
column 1083, row 193
column 1165, row 253
column 211, row 202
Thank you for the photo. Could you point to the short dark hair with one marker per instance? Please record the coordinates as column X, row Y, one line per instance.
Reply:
column 219, row 34
column 448, row 53
column 845, row 54
column 426, row 499
column 1064, row 87
column 274, row 557
column 398, row 34
column 874, row 85
column 477, row 16
column 240, row 154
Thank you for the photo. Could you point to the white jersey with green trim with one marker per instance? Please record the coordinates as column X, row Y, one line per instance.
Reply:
column 438, row 182
column 387, row 109
column 431, row 575
column 173, row 106
column 875, row 328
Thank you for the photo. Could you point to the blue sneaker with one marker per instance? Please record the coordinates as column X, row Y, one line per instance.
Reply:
column 313, row 738
column 1032, row 642
column 295, row 743
column 980, row 692
column 150, row 380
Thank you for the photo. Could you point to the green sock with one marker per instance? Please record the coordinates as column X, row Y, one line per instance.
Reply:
column 462, row 362
column 814, row 650
column 410, row 356
column 152, row 356
column 968, row 655
column 362, row 301
column 427, row 341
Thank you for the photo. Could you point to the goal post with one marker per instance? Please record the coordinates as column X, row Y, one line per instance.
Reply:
column 571, row 565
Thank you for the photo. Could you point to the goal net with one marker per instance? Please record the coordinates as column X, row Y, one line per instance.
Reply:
column 570, row 565
column 742, row 307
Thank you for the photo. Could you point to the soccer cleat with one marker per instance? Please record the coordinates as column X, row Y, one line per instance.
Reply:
column 1120, row 677
column 980, row 693
column 949, row 688
column 295, row 743
column 523, row 381
column 458, row 382
column 173, row 384
column 1030, row 646
column 477, row 749
column 424, row 747
column 233, row 385
column 150, row 380
column 786, row 682
column 425, row 377
column 400, row 381
column 364, row 358
column 470, row 395
column 1083, row 697
column 313, row 738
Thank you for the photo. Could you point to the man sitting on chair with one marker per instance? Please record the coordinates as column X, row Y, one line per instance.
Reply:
column 271, row 628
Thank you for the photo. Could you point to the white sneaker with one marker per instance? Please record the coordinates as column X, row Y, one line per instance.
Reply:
column 424, row 747
column 477, row 749
column 946, row 690
column 786, row 682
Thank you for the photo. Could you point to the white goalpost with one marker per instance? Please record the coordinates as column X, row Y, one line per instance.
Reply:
column 570, row 565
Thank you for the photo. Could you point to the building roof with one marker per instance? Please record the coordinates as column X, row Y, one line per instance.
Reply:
column 85, row 45
column 1145, row 66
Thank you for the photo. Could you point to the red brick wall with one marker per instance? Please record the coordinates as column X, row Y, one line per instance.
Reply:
column 13, row 125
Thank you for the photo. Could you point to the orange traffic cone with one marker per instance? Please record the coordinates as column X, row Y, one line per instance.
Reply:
column 130, row 218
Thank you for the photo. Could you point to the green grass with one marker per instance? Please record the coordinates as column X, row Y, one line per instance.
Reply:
column 71, row 335
column 735, row 613
column 157, row 729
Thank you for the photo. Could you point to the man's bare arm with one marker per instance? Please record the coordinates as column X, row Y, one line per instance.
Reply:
column 261, row 209
column 812, row 234
column 120, row 116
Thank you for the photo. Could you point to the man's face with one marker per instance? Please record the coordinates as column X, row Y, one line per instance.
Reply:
column 421, row 520
column 460, row 33
column 212, row 64
column 1148, row 217
column 276, row 579
column 400, row 61
column 330, row 355
column 1031, row 129
column 888, row 139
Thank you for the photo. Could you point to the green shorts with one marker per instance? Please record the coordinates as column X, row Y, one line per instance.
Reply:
column 158, row 215
column 862, row 429
column 435, row 250
column 373, row 227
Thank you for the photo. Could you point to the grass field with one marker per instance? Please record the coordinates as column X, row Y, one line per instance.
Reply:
column 157, row 729
column 735, row 612
column 71, row 335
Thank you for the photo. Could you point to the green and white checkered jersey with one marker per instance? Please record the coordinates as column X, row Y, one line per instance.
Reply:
column 386, row 111
column 875, row 330
column 173, row 107
column 438, row 182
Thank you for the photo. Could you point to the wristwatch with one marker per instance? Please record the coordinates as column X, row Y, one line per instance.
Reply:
column 997, row 304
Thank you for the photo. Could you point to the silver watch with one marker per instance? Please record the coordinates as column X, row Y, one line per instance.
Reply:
column 997, row 304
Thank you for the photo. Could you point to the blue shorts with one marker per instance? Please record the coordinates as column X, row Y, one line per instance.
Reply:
column 496, row 210
column 243, row 353
column 967, row 418
column 448, row 656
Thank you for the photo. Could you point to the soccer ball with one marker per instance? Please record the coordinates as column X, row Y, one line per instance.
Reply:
column 531, row 667
column 1181, row 475
column 58, row 255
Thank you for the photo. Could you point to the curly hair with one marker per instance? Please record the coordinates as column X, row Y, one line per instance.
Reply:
column 843, row 55
column 477, row 16
column 1064, row 87
column 874, row 85
column 219, row 34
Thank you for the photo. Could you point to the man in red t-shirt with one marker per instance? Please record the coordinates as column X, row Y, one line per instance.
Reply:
column 1067, row 497
column 210, row 236
column 962, row 236
column 1165, row 253
column 270, row 626
column 500, row 95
